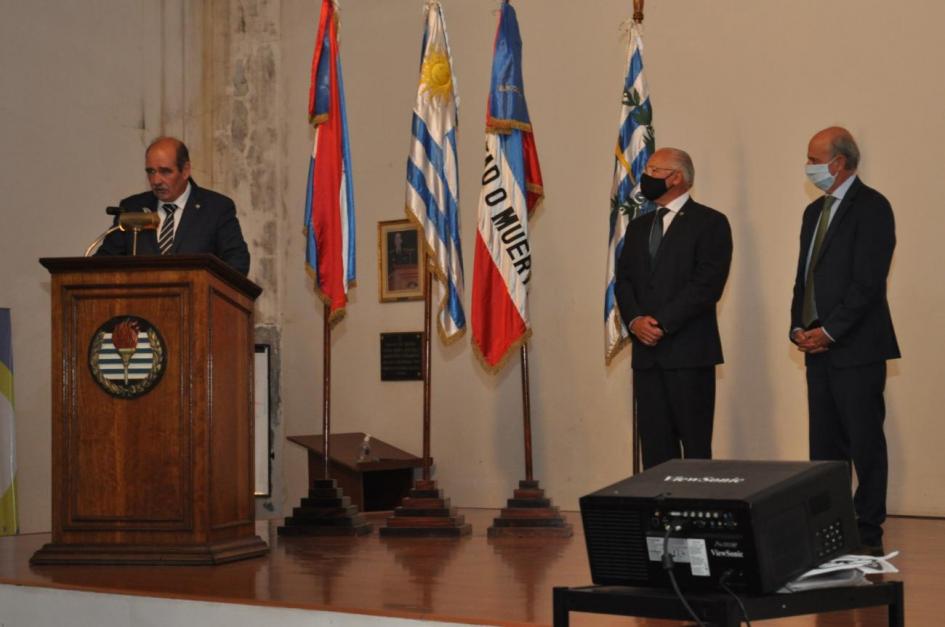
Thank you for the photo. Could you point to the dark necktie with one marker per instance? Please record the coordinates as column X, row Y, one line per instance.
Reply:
column 166, row 237
column 809, row 313
column 656, row 232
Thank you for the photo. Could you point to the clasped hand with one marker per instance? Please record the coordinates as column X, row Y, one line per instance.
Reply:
column 813, row 341
column 647, row 330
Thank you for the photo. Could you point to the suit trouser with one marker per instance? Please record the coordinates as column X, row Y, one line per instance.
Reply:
column 847, row 412
column 675, row 408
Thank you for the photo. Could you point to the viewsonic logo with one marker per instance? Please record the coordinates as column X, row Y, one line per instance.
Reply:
column 706, row 479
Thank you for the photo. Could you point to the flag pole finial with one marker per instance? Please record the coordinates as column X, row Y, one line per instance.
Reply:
column 638, row 11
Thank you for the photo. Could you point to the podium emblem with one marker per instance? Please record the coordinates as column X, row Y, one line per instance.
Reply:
column 127, row 356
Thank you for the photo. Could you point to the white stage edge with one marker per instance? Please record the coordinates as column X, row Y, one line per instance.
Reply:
column 31, row 606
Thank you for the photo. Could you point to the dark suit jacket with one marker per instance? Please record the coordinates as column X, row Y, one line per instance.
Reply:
column 680, row 289
column 208, row 225
column 850, row 277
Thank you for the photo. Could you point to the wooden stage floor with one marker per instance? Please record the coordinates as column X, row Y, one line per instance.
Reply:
column 469, row 580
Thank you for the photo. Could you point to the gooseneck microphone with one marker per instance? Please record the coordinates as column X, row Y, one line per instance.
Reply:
column 134, row 221
column 138, row 221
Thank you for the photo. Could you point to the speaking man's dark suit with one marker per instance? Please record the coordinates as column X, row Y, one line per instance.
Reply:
column 208, row 225
column 845, row 383
column 675, row 379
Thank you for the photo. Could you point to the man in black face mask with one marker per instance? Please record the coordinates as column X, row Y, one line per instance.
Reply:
column 670, row 275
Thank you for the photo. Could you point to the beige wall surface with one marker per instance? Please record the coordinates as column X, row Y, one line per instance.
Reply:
column 80, row 90
column 739, row 84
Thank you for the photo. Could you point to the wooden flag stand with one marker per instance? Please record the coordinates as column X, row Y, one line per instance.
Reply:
column 425, row 512
column 529, row 512
column 326, row 511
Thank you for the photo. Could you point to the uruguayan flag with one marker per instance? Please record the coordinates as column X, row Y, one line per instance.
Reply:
column 433, row 172
column 635, row 144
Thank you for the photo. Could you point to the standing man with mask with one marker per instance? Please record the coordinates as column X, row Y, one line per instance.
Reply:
column 192, row 219
column 669, row 277
column 840, row 320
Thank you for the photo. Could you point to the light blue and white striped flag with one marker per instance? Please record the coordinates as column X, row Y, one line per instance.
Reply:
column 8, row 524
column 635, row 144
column 433, row 172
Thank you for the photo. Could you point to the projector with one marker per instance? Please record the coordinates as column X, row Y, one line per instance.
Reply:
column 753, row 524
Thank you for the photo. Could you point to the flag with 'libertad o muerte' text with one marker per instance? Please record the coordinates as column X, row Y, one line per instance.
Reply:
column 511, row 190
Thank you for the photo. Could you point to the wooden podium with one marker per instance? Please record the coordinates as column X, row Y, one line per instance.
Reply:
column 152, row 412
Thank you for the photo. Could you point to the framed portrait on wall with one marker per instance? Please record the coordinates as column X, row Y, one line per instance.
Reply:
column 400, row 261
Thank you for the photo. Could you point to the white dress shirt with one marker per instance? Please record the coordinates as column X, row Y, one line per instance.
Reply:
column 181, row 203
column 674, row 206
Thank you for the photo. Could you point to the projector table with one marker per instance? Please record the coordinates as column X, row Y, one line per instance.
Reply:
column 720, row 609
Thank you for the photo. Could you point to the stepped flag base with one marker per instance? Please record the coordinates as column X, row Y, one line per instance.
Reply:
column 425, row 513
column 528, row 514
column 325, row 512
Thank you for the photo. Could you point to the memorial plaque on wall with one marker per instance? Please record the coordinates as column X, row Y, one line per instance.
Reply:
column 402, row 356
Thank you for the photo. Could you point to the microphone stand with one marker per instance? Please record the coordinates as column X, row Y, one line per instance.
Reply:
column 135, row 226
column 98, row 241
column 134, row 239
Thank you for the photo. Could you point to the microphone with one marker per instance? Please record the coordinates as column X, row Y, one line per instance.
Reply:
column 138, row 221
column 127, row 221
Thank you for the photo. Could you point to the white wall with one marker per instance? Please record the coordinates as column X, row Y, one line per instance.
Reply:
column 740, row 85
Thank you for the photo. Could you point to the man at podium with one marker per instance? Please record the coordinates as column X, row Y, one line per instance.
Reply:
column 192, row 219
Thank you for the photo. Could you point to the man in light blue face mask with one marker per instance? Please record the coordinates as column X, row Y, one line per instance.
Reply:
column 840, row 319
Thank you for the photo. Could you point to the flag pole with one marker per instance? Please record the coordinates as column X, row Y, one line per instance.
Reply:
column 638, row 18
column 427, row 369
column 326, row 511
column 425, row 512
column 526, row 414
column 326, row 388
column 636, row 439
column 529, row 513
column 319, row 514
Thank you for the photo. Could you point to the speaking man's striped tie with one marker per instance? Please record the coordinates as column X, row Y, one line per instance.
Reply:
column 166, row 237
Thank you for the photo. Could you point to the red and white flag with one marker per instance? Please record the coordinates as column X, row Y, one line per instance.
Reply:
column 511, row 190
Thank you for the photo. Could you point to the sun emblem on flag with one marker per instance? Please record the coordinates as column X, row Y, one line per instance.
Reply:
column 126, row 356
column 436, row 79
